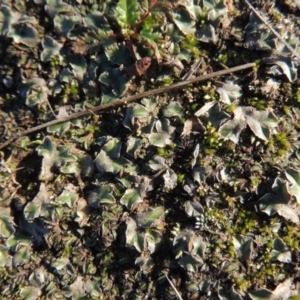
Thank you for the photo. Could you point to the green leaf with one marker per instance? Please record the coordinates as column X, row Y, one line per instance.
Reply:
column 199, row 247
column 183, row 20
column 113, row 148
column 36, row 96
column 193, row 208
column 173, row 33
column 39, row 206
column 160, row 139
column 32, row 210
column 54, row 7
column 133, row 236
column 262, row 294
column 7, row 16
column 280, row 187
column 120, row 55
column 109, row 158
column 117, row 79
column 59, row 128
column 190, row 263
column 146, row 219
column 4, row 256
column 212, row 111
column 69, row 168
column 50, row 48
column 21, row 256
column 145, row 264
column 116, row 53
column 217, row 10
column 150, row 36
column 93, row 287
column 127, row 13
column 225, row 294
column 157, row 163
column 96, row 20
column 66, row 75
column 18, row 239
column 37, row 92
column 76, row 289
column 259, row 122
column 30, row 293
column 110, row 47
column 60, row 263
column 280, row 251
column 101, row 195
column 63, row 156
column 243, row 247
column 107, row 98
column 64, row 24
column 67, row 197
column 131, row 198
column 25, row 34
column 183, row 241
column 140, row 111
column 133, row 144
column 58, row 157
column 48, row 148
column 138, row 241
column 105, row 164
column 79, row 66
column 293, row 177
column 128, row 180
column 279, row 202
column 229, row 91
column 6, row 226
column 85, row 166
column 173, row 109
column 153, row 240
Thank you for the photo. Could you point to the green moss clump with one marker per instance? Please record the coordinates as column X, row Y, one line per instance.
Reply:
column 168, row 80
column 292, row 237
column 230, row 108
column 54, row 61
column 280, row 143
column 180, row 178
column 191, row 44
column 211, row 141
column 165, row 152
column 287, row 110
column 276, row 17
column 259, row 104
column 222, row 58
column 210, row 92
column 297, row 95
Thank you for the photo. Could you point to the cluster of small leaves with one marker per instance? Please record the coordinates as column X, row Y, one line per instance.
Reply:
column 203, row 187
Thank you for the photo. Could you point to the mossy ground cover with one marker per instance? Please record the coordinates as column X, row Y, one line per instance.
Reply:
column 193, row 193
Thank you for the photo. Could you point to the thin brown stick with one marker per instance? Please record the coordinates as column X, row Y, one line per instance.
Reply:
column 174, row 288
column 127, row 100
column 252, row 8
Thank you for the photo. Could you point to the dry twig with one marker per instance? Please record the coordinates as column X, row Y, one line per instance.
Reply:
column 127, row 100
column 174, row 288
column 252, row 8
